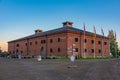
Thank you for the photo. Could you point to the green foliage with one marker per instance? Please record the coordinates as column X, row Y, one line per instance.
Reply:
column 118, row 52
column 4, row 54
column 113, row 43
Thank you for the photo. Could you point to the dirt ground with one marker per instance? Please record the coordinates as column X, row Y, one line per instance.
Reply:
column 31, row 69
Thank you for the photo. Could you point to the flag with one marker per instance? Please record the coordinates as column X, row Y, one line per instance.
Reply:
column 102, row 31
column 94, row 32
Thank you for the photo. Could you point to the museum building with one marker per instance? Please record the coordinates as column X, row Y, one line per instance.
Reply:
column 61, row 42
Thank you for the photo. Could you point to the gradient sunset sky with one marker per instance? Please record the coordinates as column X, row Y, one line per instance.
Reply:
column 19, row 18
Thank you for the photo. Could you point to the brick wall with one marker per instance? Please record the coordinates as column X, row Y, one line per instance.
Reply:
column 58, row 45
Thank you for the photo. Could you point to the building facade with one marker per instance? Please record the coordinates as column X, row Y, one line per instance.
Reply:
column 61, row 42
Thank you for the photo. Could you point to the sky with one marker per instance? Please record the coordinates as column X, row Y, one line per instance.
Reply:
column 19, row 18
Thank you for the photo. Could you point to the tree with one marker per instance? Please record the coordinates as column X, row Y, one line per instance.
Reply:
column 118, row 52
column 113, row 44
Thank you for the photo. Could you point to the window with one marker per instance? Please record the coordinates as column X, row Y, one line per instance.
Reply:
column 36, row 42
column 99, row 50
column 92, row 50
column 76, row 49
column 85, row 40
column 10, row 52
column 17, row 50
column 41, row 41
column 85, row 50
column 21, row 52
column 58, row 49
column 44, row 41
column 92, row 41
column 26, row 44
column 17, row 45
column 30, row 43
column 51, row 40
column 99, row 42
column 76, row 39
column 105, row 43
column 58, row 39
column 51, row 50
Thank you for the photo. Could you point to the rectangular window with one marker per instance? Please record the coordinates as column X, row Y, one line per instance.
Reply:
column 36, row 42
column 85, row 40
column 51, row 40
column 30, row 43
column 58, row 49
column 17, row 45
column 99, row 42
column 92, row 50
column 85, row 50
column 76, row 39
column 26, row 44
column 17, row 50
column 44, row 41
column 105, row 43
column 92, row 41
column 58, row 39
column 51, row 50
column 99, row 50
column 41, row 41
column 76, row 49
column 10, row 52
column 21, row 52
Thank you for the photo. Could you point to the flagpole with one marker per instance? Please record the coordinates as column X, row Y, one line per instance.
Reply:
column 102, row 47
column 84, row 46
column 94, row 40
column 115, row 45
column 109, row 43
column 115, row 48
column 102, row 42
column 84, row 43
column 94, row 47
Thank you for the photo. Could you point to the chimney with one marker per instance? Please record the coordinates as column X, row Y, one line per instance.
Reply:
column 67, row 24
column 38, row 31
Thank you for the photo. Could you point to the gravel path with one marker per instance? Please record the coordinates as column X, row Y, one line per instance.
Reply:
column 31, row 69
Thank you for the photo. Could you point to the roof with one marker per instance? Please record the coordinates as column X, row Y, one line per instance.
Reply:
column 54, row 31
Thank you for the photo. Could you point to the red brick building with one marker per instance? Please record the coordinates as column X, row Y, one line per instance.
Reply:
column 58, row 43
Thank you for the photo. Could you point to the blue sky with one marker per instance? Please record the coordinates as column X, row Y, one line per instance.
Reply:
column 19, row 18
